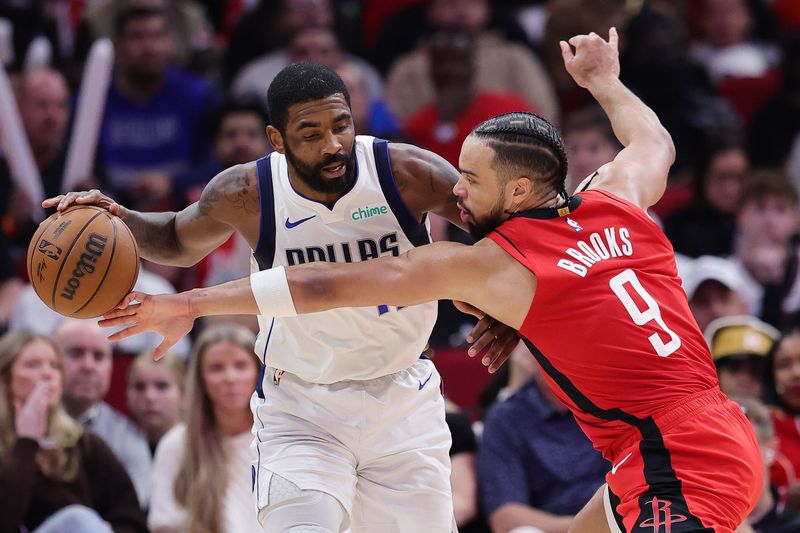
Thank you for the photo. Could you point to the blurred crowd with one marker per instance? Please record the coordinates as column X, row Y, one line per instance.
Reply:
column 167, row 448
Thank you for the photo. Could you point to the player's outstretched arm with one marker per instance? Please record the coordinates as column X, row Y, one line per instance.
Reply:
column 639, row 172
column 183, row 238
column 483, row 275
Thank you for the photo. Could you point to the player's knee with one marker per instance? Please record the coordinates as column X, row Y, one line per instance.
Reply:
column 293, row 510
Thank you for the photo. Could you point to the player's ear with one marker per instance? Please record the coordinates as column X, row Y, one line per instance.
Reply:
column 523, row 187
column 275, row 139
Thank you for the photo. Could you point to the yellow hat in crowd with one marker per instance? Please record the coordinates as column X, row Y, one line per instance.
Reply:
column 740, row 337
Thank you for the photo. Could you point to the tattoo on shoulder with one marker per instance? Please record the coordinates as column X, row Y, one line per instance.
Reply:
column 235, row 186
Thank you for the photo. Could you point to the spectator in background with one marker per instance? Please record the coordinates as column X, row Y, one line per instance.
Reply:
column 87, row 377
column 538, row 473
column 590, row 144
column 782, row 390
column 154, row 123
column 44, row 105
column 518, row 371
column 192, row 32
column 726, row 47
column 239, row 135
column 575, row 17
column 739, row 347
column 459, row 104
column 201, row 482
column 10, row 285
column 54, row 475
column 315, row 44
column 707, row 225
column 463, row 472
column 767, row 222
column 498, row 66
column 776, row 127
column 713, row 286
column 269, row 26
column 156, row 394
column 770, row 514
column 371, row 116
column 656, row 67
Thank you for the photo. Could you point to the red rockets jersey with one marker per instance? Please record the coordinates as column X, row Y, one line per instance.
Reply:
column 609, row 324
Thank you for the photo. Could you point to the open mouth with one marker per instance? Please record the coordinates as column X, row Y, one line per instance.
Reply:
column 334, row 171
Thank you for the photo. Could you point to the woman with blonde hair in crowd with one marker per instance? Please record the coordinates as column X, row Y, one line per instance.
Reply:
column 202, row 479
column 156, row 394
column 54, row 476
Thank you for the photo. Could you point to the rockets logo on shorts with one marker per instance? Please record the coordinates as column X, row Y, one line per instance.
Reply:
column 663, row 518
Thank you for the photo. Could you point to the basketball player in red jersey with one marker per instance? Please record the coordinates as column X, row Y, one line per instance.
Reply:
column 590, row 283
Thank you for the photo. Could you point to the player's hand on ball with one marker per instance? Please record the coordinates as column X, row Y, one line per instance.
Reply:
column 500, row 339
column 63, row 202
column 166, row 314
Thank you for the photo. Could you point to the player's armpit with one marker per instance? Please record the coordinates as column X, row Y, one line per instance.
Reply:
column 425, row 180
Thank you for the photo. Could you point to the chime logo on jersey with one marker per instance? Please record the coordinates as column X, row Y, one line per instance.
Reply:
column 368, row 211
column 345, row 252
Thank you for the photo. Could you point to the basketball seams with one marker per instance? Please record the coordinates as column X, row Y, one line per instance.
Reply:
column 67, row 255
column 108, row 267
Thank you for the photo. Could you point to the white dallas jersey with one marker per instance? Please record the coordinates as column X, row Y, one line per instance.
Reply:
column 369, row 221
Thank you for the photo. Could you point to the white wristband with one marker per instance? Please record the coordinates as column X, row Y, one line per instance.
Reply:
column 271, row 291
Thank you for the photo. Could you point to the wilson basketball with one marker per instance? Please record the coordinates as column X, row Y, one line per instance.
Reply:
column 83, row 261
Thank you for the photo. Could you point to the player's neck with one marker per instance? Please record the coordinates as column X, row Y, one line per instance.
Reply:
column 139, row 89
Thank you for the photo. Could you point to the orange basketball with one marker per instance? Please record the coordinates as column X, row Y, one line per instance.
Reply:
column 83, row 261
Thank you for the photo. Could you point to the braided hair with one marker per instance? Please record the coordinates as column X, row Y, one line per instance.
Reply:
column 529, row 143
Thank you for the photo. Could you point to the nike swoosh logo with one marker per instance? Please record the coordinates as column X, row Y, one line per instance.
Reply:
column 423, row 383
column 290, row 224
column 614, row 468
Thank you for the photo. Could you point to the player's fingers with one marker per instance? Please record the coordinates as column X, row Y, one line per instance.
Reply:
column 468, row 309
column 50, row 202
column 499, row 354
column 122, row 311
column 613, row 38
column 122, row 320
column 66, row 200
column 481, row 341
column 128, row 300
column 125, row 333
column 481, row 327
column 577, row 40
column 162, row 349
column 566, row 51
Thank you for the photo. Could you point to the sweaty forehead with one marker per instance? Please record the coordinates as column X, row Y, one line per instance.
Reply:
column 476, row 156
column 317, row 110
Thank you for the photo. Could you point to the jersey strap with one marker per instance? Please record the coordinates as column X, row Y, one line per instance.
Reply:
column 265, row 249
column 415, row 232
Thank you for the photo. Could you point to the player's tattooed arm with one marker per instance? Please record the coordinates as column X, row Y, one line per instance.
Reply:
column 425, row 180
column 228, row 202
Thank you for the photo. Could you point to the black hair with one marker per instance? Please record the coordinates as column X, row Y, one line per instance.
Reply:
column 769, row 393
column 527, row 141
column 299, row 83
column 241, row 104
column 131, row 13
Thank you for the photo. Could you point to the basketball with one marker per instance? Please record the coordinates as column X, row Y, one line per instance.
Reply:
column 83, row 261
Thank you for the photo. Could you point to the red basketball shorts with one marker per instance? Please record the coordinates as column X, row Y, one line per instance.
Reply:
column 693, row 467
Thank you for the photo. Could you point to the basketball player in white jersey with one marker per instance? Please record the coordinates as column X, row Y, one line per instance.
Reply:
column 349, row 419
